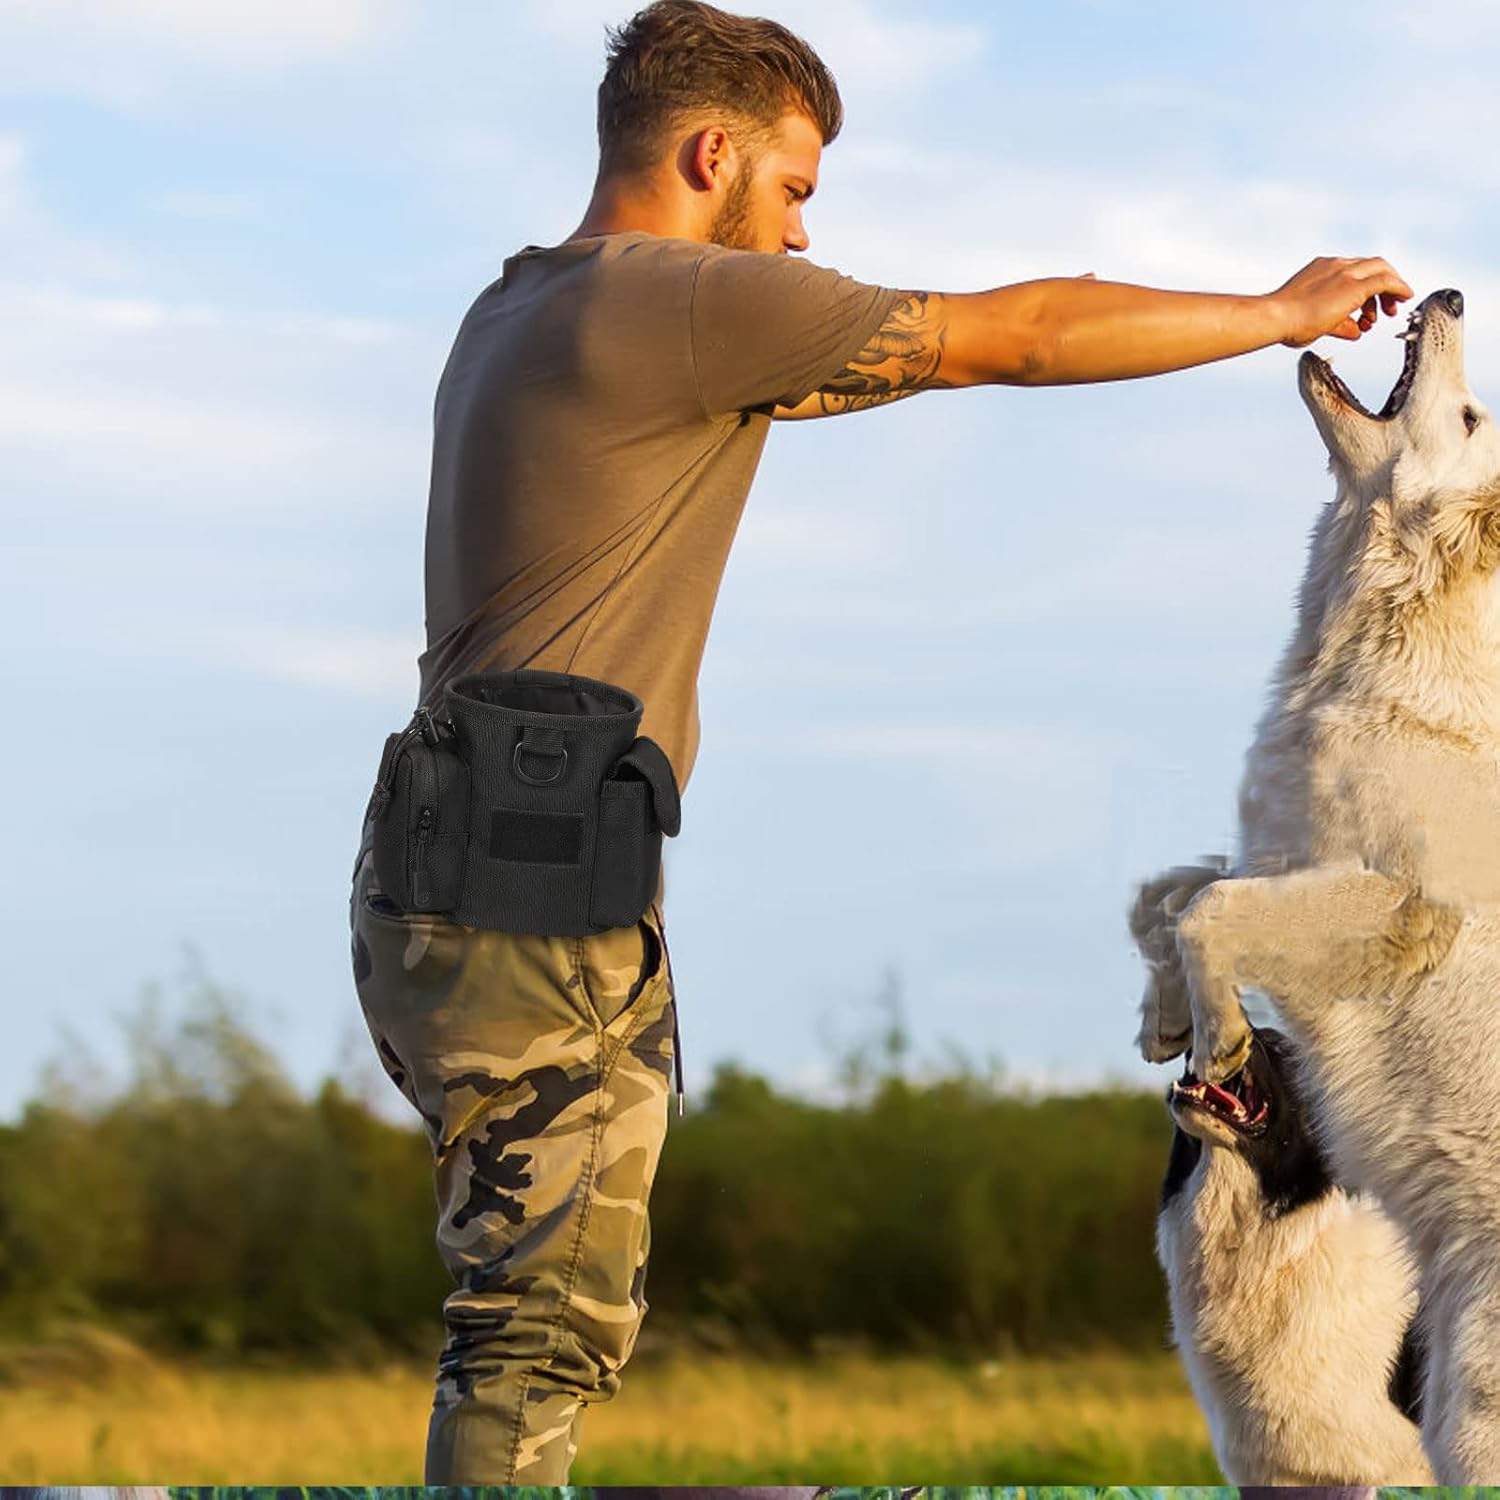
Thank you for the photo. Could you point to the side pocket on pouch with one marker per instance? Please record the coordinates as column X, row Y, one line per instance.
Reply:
column 627, row 857
column 421, row 836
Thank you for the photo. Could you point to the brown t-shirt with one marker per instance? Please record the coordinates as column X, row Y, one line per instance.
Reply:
column 597, row 427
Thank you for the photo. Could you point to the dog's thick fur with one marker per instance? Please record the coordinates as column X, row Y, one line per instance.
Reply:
column 1292, row 1301
column 1365, row 900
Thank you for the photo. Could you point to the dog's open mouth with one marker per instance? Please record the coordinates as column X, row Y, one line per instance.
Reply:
column 1397, row 398
column 1238, row 1101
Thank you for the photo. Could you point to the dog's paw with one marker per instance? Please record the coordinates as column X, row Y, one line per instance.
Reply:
column 1166, row 1015
column 1160, row 901
column 1220, row 1051
column 1149, row 1040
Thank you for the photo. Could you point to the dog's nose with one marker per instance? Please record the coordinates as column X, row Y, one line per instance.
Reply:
column 1454, row 301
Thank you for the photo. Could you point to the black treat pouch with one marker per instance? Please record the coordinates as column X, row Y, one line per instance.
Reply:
column 420, row 807
column 532, row 806
column 568, row 802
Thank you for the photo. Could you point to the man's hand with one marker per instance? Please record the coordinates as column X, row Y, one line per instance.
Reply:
column 1336, row 295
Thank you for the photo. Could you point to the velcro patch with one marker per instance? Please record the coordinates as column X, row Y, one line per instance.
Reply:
column 536, row 838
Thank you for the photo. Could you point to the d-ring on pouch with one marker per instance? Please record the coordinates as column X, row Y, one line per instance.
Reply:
column 533, row 806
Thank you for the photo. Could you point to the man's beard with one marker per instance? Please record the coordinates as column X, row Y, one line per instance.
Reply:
column 731, row 226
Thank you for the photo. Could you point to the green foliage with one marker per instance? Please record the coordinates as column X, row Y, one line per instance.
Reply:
column 205, row 1205
column 208, row 1206
column 933, row 1215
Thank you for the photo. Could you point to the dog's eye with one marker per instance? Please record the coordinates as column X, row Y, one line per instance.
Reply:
column 1471, row 419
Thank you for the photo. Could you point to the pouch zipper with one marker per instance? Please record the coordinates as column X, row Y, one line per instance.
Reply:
column 421, row 892
column 423, row 724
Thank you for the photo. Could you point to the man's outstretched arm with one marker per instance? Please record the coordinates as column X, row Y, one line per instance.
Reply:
column 1070, row 330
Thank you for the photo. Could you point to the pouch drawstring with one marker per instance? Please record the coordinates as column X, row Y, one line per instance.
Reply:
column 661, row 923
column 676, row 1048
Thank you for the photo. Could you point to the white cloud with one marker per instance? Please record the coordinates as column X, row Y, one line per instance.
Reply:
column 185, row 449
column 381, row 666
column 230, row 27
column 31, row 243
column 877, row 53
column 129, row 53
column 1020, row 794
column 131, row 399
column 48, row 312
column 1161, row 574
column 881, row 56
column 954, row 744
column 1098, row 574
column 469, row 149
column 973, row 220
column 575, row 25
column 222, row 208
column 818, row 540
column 12, row 159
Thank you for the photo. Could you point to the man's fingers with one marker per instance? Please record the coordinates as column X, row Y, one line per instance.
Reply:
column 1368, row 282
column 1376, row 268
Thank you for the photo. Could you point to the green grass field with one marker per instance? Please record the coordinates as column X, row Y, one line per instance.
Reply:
column 120, row 1417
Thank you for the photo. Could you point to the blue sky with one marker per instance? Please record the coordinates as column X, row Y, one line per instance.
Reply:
column 980, row 660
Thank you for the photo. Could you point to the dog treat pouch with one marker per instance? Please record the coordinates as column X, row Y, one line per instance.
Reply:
column 532, row 807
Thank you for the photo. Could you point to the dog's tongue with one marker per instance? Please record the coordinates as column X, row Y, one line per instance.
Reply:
column 1221, row 1097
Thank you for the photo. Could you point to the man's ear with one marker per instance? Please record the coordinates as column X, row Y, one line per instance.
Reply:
column 712, row 153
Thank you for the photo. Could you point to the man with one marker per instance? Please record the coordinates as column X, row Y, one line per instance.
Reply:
column 597, row 428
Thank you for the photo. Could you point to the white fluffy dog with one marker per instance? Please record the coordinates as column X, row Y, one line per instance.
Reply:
column 1365, row 902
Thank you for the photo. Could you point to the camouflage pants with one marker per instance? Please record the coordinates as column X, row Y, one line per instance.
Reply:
column 540, row 1067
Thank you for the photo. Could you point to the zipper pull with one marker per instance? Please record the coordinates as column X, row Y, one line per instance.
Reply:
column 421, row 891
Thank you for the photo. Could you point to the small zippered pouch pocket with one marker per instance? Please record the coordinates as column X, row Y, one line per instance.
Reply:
column 420, row 810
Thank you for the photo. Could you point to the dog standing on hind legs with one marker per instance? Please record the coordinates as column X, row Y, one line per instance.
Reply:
column 1365, row 902
column 1292, row 1301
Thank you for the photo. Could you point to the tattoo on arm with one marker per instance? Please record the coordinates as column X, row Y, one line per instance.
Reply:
column 904, row 356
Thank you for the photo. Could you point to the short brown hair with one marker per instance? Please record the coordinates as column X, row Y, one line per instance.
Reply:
column 676, row 57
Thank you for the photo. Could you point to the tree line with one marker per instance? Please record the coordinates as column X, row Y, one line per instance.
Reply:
column 207, row 1205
